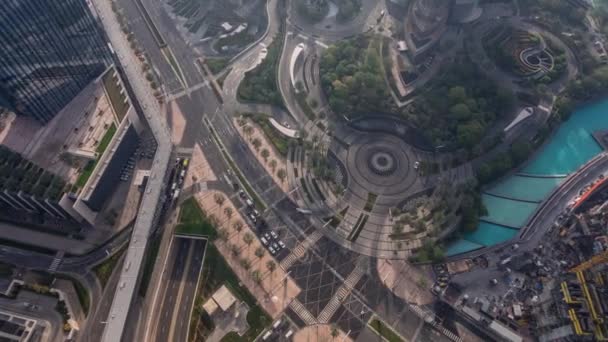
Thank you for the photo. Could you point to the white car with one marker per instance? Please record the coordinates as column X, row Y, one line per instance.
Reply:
column 272, row 250
column 264, row 241
column 274, row 234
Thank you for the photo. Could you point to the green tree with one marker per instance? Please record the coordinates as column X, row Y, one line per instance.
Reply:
column 228, row 212
column 259, row 252
column 256, row 144
column 271, row 266
column 238, row 226
column 265, row 154
column 257, row 276
column 219, row 199
column 282, row 174
column 273, row 165
column 457, row 94
column 461, row 112
column 248, row 239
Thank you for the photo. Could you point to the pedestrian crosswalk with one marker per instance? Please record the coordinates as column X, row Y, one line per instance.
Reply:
column 300, row 250
column 429, row 317
column 344, row 290
column 56, row 261
column 302, row 312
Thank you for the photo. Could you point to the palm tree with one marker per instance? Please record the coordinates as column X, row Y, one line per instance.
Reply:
column 219, row 199
column 228, row 212
column 259, row 252
column 257, row 277
column 248, row 130
column 282, row 174
column 248, row 239
column 238, row 226
column 273, row 165
column 256, row 144
column 235, row 250
column 271, row 266
column 265, row 154
column 398, row 228
column 334, row 331
column 245, row 264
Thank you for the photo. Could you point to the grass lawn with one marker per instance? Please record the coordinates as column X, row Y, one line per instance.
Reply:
column 371, row 200
column 278, row 140
column 105, row 141
column 85, row 174
column 216, row 64
column 386, row 332
column 88, row 169
column 104, row 270
column 192, row 220
column 117, row 99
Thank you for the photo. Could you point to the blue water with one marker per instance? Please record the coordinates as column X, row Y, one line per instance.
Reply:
column 523, row 188
column 488, row 234
column 507, row 212
column 572, row 146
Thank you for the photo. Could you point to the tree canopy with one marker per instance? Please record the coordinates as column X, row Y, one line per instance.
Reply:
column 457, row 107
column 352, row 77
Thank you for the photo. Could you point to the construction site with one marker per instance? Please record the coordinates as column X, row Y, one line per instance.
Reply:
column 554, row 291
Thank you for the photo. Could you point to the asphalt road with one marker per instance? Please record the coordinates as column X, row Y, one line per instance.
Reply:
column 180, row 278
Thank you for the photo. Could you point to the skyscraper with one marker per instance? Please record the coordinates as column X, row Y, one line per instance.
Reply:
column 49, row 51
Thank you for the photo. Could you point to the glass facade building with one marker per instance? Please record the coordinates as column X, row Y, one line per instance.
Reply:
column 49, row 51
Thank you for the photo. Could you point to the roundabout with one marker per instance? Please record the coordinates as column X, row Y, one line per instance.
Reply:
column 380, row 164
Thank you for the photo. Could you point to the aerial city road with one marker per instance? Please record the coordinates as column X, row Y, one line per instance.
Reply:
column 303, row 170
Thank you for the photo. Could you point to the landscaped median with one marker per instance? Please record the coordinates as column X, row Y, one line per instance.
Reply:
column 387, row 333
column 259, row 203
column 267, row 145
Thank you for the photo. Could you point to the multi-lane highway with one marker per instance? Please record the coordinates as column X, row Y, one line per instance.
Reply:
column 179, row 282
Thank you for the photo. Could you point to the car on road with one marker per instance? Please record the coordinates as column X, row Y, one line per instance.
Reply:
column 264, row 241
column 275, row 246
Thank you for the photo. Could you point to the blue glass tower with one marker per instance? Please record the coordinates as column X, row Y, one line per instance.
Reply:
column 49, row 51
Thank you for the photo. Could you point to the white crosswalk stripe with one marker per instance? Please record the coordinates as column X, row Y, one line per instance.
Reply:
column 300, row 250
column 56, row 261
column 302, row 312
column 344, row 290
